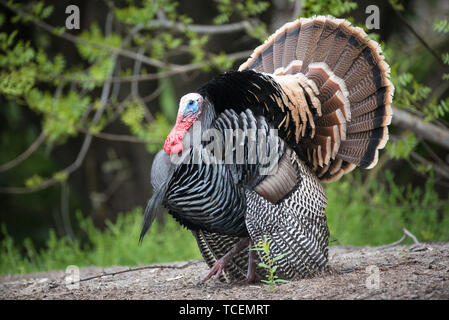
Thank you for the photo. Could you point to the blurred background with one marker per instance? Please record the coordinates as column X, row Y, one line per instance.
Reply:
column 86, row 103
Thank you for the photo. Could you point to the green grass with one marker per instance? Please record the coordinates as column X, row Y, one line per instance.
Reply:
column 358, row 214
column 375, row 213
column 117, row 245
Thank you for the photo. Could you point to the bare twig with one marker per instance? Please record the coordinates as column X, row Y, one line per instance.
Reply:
column 411, row 235
column 404, row 236
column 124, row 138
column 136, row 70
column 298, row 9
column 433, row 154
column 439, row 168
column 162, row 74
column 203, row 29
column 153, row 95
column 393, row 244
column 26, row 154
column 188, row 264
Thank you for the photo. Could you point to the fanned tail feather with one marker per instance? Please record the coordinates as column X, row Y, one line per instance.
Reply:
column 343, row 78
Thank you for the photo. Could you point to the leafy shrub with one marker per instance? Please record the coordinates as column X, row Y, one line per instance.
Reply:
column 375, row 213
column 117, row 245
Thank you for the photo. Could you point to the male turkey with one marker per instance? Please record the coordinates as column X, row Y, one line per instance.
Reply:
column 324, row 86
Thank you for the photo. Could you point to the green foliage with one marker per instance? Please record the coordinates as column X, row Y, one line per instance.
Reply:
column 411, row 92
column 196, row 44
column 61, row 117
column 102, row 61
column 401, row 149
column 154, row 132
column 117, row 245
column 441, row 25
column 445, row 57
column 40, row 11
column 245, row 9
column 396, row 4
column 167, row 99
column 437, row 110
column 33, row 181
column 164, row 43
column 221, row 62
column 18, row 73
column 268, row 263
column 335, row 8
column 259, row 32
column 408, row 91
column 374, row 213
column 157, row 131
column 139, row 15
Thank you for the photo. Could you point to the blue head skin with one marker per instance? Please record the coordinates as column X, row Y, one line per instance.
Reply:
column 190, row 108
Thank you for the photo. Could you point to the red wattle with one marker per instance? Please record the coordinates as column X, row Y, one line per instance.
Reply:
column 173, row 143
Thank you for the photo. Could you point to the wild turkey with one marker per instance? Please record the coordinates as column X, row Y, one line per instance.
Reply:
column 324, row 86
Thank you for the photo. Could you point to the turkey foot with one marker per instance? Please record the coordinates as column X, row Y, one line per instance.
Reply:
column 220, row 265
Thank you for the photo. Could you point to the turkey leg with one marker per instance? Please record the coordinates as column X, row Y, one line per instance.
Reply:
column 220, row 265
column 251, row 275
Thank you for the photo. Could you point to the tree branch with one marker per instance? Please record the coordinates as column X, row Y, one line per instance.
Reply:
column 124, row 138
column 187, row 264
column 174, row 68
column 81, row 155
column 162, row 74
column 27, row 153
column 78, row 40
column 405, row 235
column 443, row 170
column 427, row 130
column 163, row 22
column 207, row 29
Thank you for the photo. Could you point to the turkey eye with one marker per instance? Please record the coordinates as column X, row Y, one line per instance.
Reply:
column 191, row 103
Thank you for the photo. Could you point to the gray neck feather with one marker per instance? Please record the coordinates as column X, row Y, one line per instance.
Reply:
column 207, row 115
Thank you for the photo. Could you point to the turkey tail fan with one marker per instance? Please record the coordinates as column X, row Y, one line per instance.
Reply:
column 337, row 84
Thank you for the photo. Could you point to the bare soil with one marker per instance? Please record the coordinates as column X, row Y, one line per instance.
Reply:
column 403, row 272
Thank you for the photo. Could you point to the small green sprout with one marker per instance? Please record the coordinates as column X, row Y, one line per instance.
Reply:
column 268, row 263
